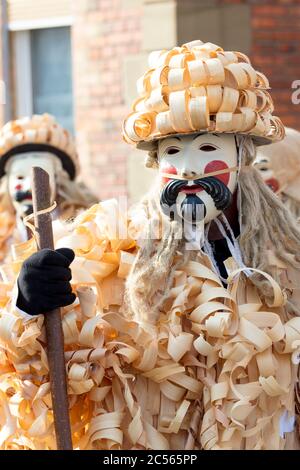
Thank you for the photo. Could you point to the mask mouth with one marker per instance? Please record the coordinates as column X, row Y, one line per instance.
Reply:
column 273, row 184
column 193, row 189
column 219, row 192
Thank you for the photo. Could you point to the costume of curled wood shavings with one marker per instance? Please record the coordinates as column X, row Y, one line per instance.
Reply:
column 284, row 179
column 161, row 353
column 37, row 135
column 218, row 352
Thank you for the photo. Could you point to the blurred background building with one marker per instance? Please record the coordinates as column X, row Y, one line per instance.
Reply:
column 79, row 60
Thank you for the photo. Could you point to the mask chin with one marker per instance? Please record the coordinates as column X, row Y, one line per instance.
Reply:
column 28, row 209
column 211, row 211
column 23, row 208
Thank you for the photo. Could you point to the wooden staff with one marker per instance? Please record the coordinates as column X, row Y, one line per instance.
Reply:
column 53, row 324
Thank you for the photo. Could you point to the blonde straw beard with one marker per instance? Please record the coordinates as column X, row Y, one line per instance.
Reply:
column 7, row 218
column 265, row 223
column 72, row 196
column 161, row 253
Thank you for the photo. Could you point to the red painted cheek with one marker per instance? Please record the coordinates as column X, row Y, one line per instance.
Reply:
column 273, row 184
column 217, row 165
column 167, row 168
column 18, row 187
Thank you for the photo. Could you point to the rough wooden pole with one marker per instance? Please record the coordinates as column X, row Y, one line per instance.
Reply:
column 28, row 233
column 54, row 331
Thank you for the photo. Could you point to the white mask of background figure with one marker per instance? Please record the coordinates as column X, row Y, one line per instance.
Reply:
column 18, row 170
column 199, row 199
column 264, row 165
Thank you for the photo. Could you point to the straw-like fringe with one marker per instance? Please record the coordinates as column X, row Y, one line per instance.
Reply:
column 266, row 224
column 292, row 205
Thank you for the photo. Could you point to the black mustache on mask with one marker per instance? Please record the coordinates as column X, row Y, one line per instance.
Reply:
column 219, row 192
column 21, row 196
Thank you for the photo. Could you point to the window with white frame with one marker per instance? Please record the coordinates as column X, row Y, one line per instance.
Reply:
column 43, row 73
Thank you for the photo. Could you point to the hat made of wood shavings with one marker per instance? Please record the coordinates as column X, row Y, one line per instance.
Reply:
column 39, row 133
column 284, row 161
column 199, row 87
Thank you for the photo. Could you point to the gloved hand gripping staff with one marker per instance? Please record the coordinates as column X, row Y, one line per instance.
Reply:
column 53, row 323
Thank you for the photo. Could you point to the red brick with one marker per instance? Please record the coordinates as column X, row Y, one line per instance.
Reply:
column 268, row 10
column 103, row 34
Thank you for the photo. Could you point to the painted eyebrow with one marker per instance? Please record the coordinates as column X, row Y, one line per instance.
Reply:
column 196, row 137
column 165, row 146
column 177, row 138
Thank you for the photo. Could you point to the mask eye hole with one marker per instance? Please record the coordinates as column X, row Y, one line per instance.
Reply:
column 207, row 148
column 264, row 165
column 172, row 151
column 20, row 177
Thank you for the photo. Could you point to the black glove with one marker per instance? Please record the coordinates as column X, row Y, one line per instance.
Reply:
column 44, row 281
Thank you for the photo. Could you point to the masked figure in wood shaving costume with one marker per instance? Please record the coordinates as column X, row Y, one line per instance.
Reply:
column 41, row 141
column 279, row 165
column 184, row 330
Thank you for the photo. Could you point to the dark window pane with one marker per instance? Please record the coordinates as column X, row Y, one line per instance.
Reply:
column 52, row 74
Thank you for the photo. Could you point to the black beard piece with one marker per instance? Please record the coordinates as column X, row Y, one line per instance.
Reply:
column 193, row 209
column 219, row 192
column 21, row 196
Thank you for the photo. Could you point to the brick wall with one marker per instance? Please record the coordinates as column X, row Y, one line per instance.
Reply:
column 276, row 37
column 275, row 26
column 104, row 32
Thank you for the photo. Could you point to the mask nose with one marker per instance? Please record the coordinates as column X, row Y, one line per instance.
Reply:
column 187, row 173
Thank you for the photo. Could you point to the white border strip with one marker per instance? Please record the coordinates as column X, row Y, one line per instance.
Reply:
column 41, row 23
